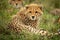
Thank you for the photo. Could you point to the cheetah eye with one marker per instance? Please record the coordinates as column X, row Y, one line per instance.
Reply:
column 19, row 0
column 29, row 11
column 13, row 0
column 36, row 12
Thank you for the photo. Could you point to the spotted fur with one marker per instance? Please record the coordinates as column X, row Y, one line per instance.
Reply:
column 16, row 3
column 22, row 21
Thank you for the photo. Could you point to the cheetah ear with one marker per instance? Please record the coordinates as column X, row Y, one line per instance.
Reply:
column 27, row 6
column 41, row 7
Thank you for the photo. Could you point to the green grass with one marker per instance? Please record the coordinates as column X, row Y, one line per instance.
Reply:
column 47, row 23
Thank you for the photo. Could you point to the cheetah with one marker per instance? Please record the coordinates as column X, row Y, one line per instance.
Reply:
column 33, row 14
column 55, row 12
column 16, row 3
column 27, row 19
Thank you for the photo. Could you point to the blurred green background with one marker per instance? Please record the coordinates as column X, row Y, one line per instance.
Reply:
column 47, row 22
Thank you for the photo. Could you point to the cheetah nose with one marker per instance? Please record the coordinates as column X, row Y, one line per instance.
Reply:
column 33, row 17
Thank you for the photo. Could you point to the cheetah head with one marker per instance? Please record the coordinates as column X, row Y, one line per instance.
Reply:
column 16, row 3
column 33, row 11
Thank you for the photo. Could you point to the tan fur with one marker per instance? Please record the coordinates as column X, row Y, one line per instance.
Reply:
column 35, row 10
column 16, row 3
column 55, row 12
column 22, row 20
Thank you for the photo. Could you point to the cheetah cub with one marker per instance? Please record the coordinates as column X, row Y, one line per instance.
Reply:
column 16, row 3
column 28, row 19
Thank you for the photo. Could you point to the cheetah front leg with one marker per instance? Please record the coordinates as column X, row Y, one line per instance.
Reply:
column 33, row 30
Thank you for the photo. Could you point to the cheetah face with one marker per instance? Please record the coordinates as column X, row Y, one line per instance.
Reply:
column 16, row 3
column 33, row 11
